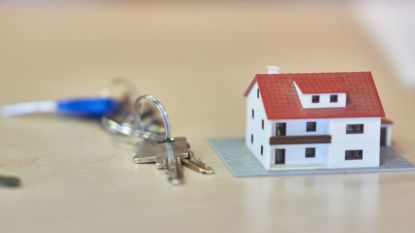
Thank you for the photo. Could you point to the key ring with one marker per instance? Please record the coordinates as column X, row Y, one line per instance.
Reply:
column 146, row 118
column 121, row 120
column 152, row 119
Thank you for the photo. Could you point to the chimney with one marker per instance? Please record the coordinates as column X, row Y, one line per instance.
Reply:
column 273, row 69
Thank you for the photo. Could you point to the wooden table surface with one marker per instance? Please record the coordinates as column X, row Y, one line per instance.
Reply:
column 197, row 58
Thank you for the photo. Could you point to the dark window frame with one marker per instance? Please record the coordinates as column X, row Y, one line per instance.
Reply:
column 310, row 152
column 334, row 98
column 257, row 93
column 315, row 99
column 253, row 113
column 262, row 123
column 262, row 150
column 283, row 126
column 279, row 154
column 353, row 155
column 252, row 138
column 355, row 129
column 311, row 126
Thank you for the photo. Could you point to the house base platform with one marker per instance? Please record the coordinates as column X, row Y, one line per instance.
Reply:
column 242, row 163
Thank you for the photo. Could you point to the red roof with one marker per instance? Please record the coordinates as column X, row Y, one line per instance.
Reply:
column 281, row 101
column 321, row 83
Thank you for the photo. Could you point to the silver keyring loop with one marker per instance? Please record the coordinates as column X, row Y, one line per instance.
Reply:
column 144, row 132
column 133, row 126
column 113, row 126
column 128, row 119
column 120, row 121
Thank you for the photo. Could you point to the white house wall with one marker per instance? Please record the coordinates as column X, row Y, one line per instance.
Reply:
column 335, row 151
column 298, row 127
column 295, row 155
column 254, row 127
column 389, row 136
column 369, row 142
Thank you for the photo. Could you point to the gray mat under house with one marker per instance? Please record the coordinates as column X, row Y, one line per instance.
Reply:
column 242, row 163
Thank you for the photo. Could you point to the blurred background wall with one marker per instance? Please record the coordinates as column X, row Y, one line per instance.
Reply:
column 199, row 56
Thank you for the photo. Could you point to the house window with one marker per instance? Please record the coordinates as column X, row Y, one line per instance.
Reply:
column 281, row 129
column 262, row 150
column 279, row 156
column 315, row 99
column 311, row 126
column 257, row 93
column 310, row 152
column 354, row 155
column 253, row 113
column 333, row 98
column 262, row 123
column 252, row 139
column 354, row 129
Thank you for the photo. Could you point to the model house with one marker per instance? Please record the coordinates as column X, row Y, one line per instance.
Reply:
column 315, row 120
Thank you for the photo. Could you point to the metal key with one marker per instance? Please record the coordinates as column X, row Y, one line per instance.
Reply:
column 170, row 156
column 165, row 155
column 190, row 161
column 173, row 165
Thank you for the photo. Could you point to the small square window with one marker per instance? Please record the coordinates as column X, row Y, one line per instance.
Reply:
column 281, row 129
column 310, row 152
column 333, row 98
column 311, row 126
column 253, row 113
column 262, row 150
column 354, row 129
column 262, row 123
column 315, row 99
column 354, row 155
column 252, row 139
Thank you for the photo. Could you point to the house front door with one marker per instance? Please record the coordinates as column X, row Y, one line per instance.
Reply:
column 281, row 129
column 383, row 136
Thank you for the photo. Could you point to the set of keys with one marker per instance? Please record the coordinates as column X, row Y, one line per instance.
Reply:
column 170, row 155
column 149, row 121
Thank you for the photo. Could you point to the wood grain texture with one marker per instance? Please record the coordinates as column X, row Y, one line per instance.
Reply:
column 197, row 58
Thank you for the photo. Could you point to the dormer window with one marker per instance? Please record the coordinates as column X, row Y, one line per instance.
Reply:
column 320, row 94
column 334, row 98
column 315, row 99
